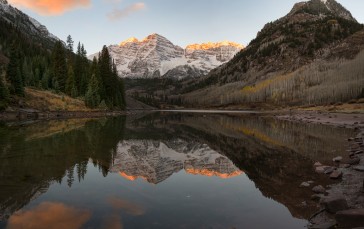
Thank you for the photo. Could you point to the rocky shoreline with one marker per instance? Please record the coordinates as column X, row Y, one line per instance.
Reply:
column 30, row 114
column 341, row 203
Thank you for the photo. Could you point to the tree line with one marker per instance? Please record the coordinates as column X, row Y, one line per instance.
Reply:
column 59, row 69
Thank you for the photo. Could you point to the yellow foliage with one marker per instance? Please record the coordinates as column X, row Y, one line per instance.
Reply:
column 255, row 133
column 46, row 100
column 264, row 84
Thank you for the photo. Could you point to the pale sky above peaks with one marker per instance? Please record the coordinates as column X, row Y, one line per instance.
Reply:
column 103, row 22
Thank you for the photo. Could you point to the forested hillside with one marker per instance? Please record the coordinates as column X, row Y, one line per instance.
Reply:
column 311, row 56
column 44, row 64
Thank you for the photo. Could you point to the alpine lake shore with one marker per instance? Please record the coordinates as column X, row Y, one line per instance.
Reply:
column 342, row 202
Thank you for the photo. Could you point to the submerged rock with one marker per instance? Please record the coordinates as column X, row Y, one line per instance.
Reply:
column 328, row 225
column 336, row 174
column 321, row 169
column 350, row 218
column 304, row 184
column 337, row 159
column 318, row 189
column 345, row 166
column 359, row 152
column 352, row 161
column 316, row 197
column 359, row 168
column 335, row 204
column 329, row 170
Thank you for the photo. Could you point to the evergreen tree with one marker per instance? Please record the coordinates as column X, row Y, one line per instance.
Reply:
column 92, row 98
column 112, row 91
column 70, row 83
column 45, row 80
column 4, row 95
column 13, row 72
column 59, row 67
column 105, row 68
column 70, row 43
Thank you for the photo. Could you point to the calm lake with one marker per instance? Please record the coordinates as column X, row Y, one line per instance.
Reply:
column 163, row 170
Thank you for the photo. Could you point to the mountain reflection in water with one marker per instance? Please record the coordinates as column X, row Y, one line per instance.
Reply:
column 155, row 161
column 236, row 168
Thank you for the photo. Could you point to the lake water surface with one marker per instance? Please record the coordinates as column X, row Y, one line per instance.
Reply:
column 162, row 170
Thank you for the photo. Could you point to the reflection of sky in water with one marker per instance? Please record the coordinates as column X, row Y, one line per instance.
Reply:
column 182, row 201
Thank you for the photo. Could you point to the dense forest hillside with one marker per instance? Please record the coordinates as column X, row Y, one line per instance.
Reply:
column 31, row 57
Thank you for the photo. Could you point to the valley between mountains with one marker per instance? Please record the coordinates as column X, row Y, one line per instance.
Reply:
column 283, row 115
column 310, row 57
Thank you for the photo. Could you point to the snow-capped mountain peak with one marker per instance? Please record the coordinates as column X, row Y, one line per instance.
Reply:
column 156, row 56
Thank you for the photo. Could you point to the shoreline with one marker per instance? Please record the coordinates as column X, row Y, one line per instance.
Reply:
column 341, row 203
column 28, row 114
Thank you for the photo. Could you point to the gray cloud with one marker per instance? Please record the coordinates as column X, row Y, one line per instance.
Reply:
column 118, row 14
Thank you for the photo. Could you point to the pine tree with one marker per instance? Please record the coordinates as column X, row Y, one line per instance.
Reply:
column 112, row 91
column 13, row 72
column 92, row 98
column 59, row 67
column 45, row 79
column 105, row 69
column 70, row 43
column 70, row 83
column 4, row 95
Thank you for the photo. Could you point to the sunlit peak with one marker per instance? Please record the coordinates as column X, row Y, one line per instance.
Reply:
column 210, row 173
column 212, row 45
column 130, row 40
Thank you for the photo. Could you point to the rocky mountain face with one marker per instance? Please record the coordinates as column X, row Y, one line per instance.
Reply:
column 155, row 161
column 25, row 23
column 290, row 61
column 155, row 56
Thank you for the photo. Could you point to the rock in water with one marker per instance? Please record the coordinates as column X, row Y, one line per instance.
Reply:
column 321, row 169
column 359, row 152
column 335, row 204
column 337, row 159
column 350, row 218
column 354, row 161
column 318, row 189
column 336, row 174
column 329, row 170
column 345, row 166
column 359, row 168
column 328, row 225
column 305, row 184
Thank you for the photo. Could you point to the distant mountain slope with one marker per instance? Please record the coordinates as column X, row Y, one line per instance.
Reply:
column 25, row 23
column 312, row 55
column 156, row 56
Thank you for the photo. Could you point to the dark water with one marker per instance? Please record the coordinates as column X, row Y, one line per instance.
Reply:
column 162, row 171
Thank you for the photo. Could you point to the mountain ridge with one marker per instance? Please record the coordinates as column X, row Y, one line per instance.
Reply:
column 155, row 56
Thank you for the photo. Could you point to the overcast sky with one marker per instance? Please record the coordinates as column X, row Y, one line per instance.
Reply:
column 103, row 22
